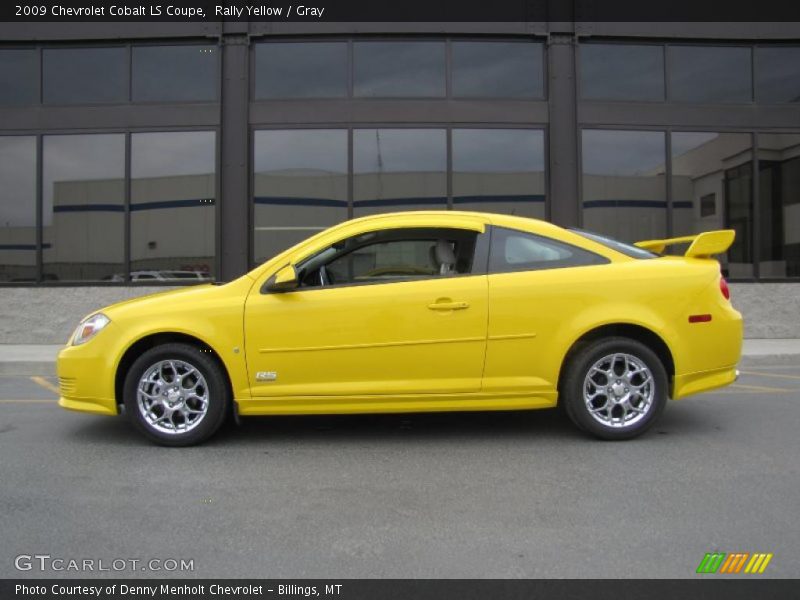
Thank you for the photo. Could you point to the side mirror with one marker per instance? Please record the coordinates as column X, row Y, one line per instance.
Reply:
column 285, row 280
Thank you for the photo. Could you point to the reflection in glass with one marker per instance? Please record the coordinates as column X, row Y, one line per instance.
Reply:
column 83, row 194
column 499, row 170
column 399, row 69
column 622, row 72
column 85, row 75
column 779, row 202
column 497, row 69
column 711, row 189
column 175, row 73
column 399, row 169
column 173, row 190
column 300, row 70
column 300, row 186
column 710, row 74
column 778, row 74
column 624, row 191
column 19, row 77
column 18, row 208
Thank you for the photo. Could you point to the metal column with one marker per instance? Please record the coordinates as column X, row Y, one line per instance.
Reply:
column 564, row 191
column 234, row 200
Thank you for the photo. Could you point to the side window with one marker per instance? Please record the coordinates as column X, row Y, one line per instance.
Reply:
column 514, row 250
column 385, row 260
column 392, row 255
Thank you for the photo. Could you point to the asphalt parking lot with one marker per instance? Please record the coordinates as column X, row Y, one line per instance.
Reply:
column 489, row 495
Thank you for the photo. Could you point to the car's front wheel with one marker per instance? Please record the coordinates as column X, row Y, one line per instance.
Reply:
column 176, row 394
column 615, row 388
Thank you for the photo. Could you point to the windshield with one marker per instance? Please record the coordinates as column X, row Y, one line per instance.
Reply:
column 626, row 249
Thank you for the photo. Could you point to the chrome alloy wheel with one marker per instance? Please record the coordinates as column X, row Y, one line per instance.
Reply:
column 172, row 396
column 619, row 390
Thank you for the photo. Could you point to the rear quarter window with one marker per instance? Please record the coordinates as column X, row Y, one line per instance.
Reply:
column 513, row 250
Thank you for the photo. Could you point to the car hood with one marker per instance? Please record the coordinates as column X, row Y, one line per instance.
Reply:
column 176, row 299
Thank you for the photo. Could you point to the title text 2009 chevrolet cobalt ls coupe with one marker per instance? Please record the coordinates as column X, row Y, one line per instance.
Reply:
column 420, row 311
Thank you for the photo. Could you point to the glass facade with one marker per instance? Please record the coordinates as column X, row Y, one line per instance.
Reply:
column 498, row 69
column 711, row 74
column 174, row 73
column 300, row 70
column 19, row 77
column 300, row 185
column 622, row 72
column 712, row 189
column 18, row 208
column 399, row 169
column 85, row 75
column 501, row 170
column 417, row 69
column 83, row 195
column 107, row 176
column 173, row 192
column 779, row 195
column 778, row 74
column 624, row 184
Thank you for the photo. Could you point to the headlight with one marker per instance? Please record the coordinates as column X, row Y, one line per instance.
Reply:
column 89, row 328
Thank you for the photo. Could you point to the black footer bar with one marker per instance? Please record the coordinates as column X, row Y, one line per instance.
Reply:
column 705, row 588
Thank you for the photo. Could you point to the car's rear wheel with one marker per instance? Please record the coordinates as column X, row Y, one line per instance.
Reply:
column 615, row 388
column 176, row 395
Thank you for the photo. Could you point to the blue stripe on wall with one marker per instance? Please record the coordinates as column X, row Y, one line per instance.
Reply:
column 289, row 201
column 416, row 201
column 428, row 201
column 22, row 246
column 64, row 208
column 171, row 204
column 634, row 204
column 509, row 198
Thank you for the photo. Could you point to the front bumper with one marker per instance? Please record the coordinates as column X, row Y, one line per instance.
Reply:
column 85, row 379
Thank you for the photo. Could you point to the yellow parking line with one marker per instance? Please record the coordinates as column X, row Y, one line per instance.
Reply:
column 777, row 375
column 729, row 392
column 760, row 388
column 46, row 384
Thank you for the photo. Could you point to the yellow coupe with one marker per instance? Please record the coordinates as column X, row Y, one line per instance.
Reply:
column 420, row 311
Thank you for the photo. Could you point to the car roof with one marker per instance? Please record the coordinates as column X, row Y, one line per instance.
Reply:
column 503, row 220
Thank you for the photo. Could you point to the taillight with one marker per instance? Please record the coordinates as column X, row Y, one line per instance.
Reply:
column 723, row 287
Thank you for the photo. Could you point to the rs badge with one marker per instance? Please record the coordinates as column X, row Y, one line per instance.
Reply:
column 266, row 376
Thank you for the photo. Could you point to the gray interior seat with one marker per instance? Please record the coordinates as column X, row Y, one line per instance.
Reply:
column 443, row 257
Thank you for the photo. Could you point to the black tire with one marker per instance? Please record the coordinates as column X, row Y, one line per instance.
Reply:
column 577, row 370
column 216, row 390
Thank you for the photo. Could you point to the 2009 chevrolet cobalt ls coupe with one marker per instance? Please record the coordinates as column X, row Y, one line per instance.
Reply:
column 420, row 311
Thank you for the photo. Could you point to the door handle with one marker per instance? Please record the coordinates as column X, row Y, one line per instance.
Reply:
column 448, row 305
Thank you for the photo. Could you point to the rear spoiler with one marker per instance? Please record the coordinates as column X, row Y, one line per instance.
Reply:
column 703, row 245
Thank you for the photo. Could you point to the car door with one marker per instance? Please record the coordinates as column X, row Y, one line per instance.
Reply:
column 538, row 286
column 375, row 315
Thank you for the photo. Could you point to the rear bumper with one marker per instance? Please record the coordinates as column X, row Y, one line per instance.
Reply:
column 83, row 380
column 703, row 381
column 709, row 352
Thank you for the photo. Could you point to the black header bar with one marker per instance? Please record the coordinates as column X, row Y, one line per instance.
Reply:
column 401, row 10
